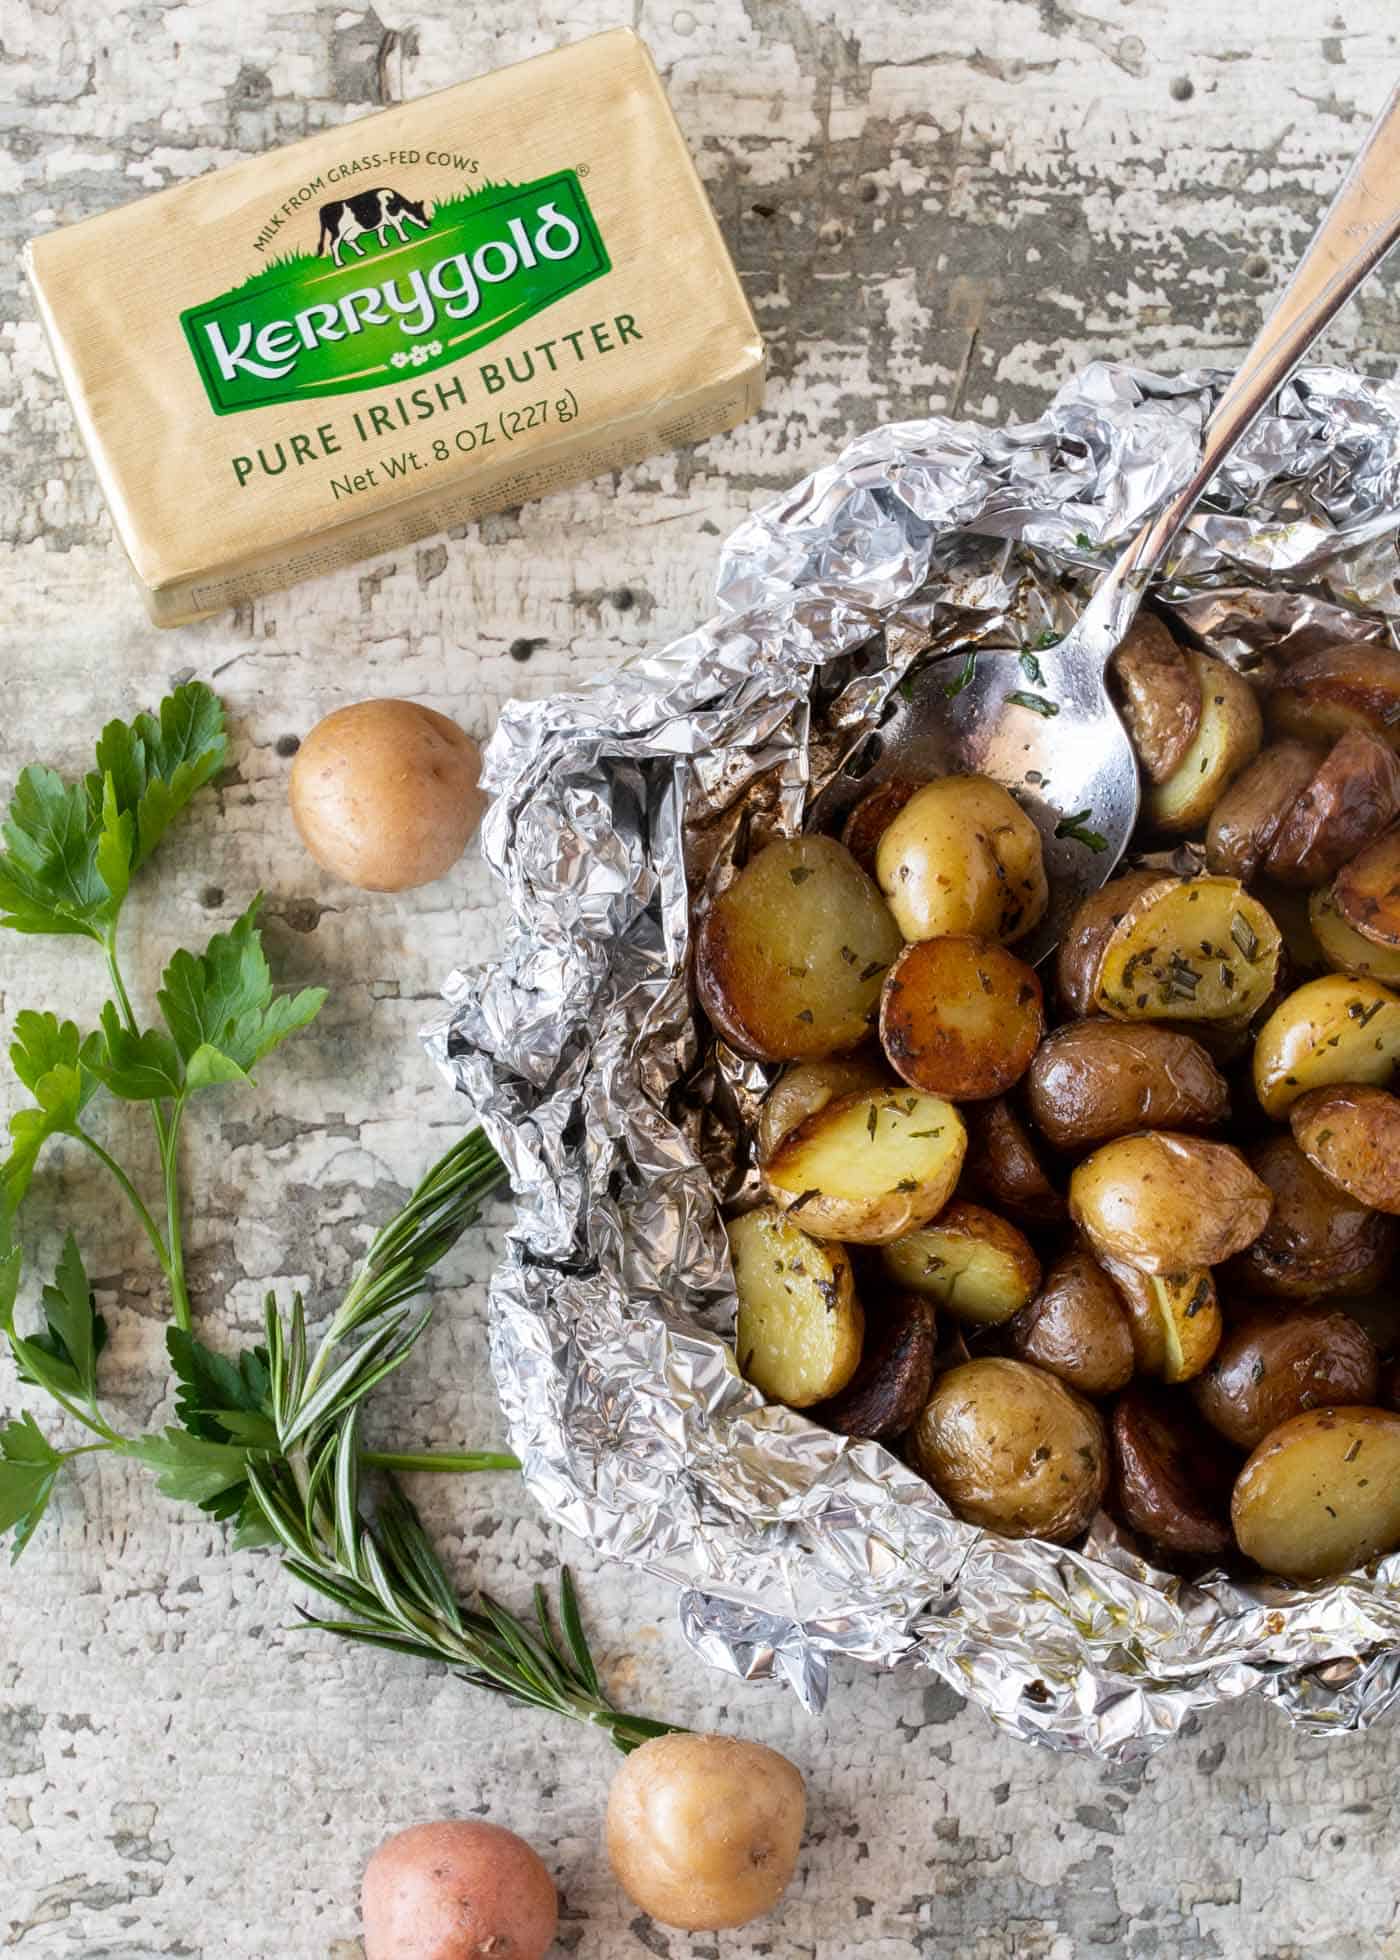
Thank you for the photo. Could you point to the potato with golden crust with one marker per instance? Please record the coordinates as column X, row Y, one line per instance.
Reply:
column 1171, row 1476
column 1321, row 1494
column 868, row 1166
column 1003, row 1167
column 1355, row 684
column 1080, row 953
column 1174, row 1319
column 972, row 1263
column 1318, row 1242
column 1076, row 1327
column 1159, row 694
column 872, row 816
column 1353, row 796
column 1010, row 1448
column 1344, row 949
column 789, row 958
column 1198, row 949
column 961, row 1017
column 1246, row 820
column 962, row 856
column 1228, row 738
column 800, row 1328
column 1366, row 892
column 1097, row 1079
column 1162, row 1201
column 1271, row 1366
column 1352, row 1135
column 1332, row 1030
column 895, row 1375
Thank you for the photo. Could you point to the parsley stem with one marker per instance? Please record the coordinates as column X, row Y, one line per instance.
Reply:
column 138, row 1205
column 169, row 1157
column 89, row 1419
column 446, row 1461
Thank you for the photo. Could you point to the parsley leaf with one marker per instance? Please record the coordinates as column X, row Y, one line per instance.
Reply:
column 220, row 1008
column 77, row 1333
column 156, row 765
column 221, row 1400
column 49, row 881
column 137, row 1067
column 48, row 1057
column 29, row 1467
column 191, row 1469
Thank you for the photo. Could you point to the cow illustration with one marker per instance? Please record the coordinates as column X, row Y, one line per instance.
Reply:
column 346, row 219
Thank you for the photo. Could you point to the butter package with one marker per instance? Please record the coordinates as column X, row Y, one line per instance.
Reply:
column 445, row 309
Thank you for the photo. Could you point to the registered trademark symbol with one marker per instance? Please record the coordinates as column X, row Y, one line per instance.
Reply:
column 583, row 170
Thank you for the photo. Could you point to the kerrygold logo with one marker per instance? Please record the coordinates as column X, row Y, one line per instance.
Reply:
column 432, row 289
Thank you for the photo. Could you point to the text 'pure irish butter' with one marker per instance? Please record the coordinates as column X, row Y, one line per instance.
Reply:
column 445, row 309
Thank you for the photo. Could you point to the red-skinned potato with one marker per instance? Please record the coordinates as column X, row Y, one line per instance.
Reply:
column 1318, row 1241
column 1271, row 1366
column 1246, row 820
column 1353, row 796
column 459, row 1889
column 1002, row 1164
column 895, row 1374
column 1171, row 1476
column 1076, row 1327
column 1355, row 684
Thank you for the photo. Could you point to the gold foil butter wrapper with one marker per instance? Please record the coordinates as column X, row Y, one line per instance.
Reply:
column 613, row 806
column 445, row 309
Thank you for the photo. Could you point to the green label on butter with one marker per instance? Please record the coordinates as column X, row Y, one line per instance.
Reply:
column 394, row 288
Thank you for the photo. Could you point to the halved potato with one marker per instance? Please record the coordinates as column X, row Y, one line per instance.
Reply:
column 963, row 856
column 872, row 816
column 1229, row 736
column 969, row 1261
column 1080, row 952
column 1076, row 1327
column 1246, row 820
column 1352, row 1135
column 789, row 959
column 1353, row 796
column 892, row 1383
column 869, row 1166
column 1344, row 948
column 1330, row 1030
column 1160, row 696
column 1163, row 1202
column 1367, row 891
column 799, row 1329
column 1172, row 1476
column 1002, row 1164
column 1321, row 1494
column 1189, row 950
column 1319, row 1242
column 960, row 1016
column 806, row 1087
column 1174, row 1318
column 1092, row 1080
column 1353, row 685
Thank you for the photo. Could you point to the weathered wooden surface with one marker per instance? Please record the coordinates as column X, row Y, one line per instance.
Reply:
column 933, row 205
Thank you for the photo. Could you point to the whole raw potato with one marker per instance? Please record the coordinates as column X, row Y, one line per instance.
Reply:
column 384, row 794
column 704, row 1830
column 458, row 1890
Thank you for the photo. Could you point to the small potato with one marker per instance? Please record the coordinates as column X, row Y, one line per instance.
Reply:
column 459, row 1889
column 1318, row 1242
column 1228, row 739
column 789, row 958
column 1327, row 1031
column 961, row 1017
column 1003, row 1167
column 384, row 794
column 1353, row 685
column 807, row 1087
column 1075, row 1327
column 872, row 816
column 963, row 856
column 971, row 1262
column 1352, row 798
column 704, row 1830
column 1367, row 891
column 1092, row 1080
column 1352, row 1135
column 895, row 1374
column 1008, row 1447
column 1173, row 1318
column 870, row 1166
column 1246, row 820
column 1271, row 1366
column 1189, row 950
column 1321, row 1494
column 1163, row 1201
column 1344, row 949
column 1160, row 696
column 1171, row 1476
column 1080, row 952
column 800, row 1327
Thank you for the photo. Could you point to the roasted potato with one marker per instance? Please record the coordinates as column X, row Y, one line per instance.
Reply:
column 1327, row 1031
column 1197, row 949
column 1344, row 949
column 1321, row 1494
column 868, row 1166
column 1366, row 892
column 806, row 1087
column 1159, row 694
column 1076, row 1327
column 1080, row 952
column 1246, row 820
column 1271, row 1366
column 872, row 816
column 1009, row 1447
column 1172, row 1477
column 799, row 1329
column 970, row 1261
column 789, row 959
column 1003, row 1167
column 963, row 856
column 1318, row 1242
column 1163, row 1201
column 1352, row 798
column 960, row 1016
column 1092, row 1080
column 1353, row 685
column 895, row 1374
column 1352, row 1135
column 1228, row 738
column 1173, row 1318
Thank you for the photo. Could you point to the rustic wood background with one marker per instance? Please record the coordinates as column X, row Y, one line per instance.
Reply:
column 935, row 206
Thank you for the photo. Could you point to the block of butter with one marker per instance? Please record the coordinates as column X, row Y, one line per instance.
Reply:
column 444, row 309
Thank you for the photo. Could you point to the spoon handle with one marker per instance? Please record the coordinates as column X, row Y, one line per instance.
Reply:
column 1361, row 225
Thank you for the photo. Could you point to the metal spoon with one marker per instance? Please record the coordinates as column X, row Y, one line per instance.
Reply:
column 1080, row 755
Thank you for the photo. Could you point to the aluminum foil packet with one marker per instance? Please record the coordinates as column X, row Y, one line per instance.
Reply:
column 613, row 806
